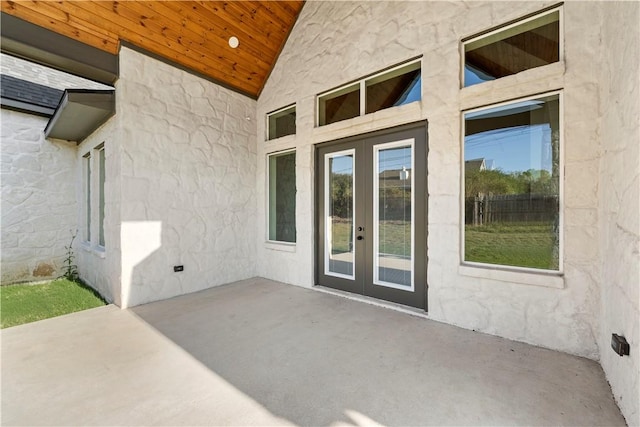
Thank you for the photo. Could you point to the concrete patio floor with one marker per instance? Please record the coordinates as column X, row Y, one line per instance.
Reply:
column 259, row 352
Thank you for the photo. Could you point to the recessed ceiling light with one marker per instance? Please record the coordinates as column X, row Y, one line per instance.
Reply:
column 233, row 42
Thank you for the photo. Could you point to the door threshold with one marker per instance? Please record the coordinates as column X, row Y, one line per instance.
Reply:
column 373, row 301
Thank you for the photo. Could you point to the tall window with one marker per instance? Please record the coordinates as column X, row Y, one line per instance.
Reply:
column 101, row 157
column 86, row 171
column 512, row 178
column 526, row 44
column 282, row 197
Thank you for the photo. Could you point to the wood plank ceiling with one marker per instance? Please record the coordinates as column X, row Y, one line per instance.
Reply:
column 194, row 34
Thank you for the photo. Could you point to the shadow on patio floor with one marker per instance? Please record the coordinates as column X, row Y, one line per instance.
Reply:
column 259, row 352
column 318, row 359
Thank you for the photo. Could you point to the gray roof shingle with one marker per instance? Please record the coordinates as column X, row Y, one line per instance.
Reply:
column 30, row 93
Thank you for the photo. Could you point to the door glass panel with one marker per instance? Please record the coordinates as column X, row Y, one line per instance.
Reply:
column 339, row 214
column 393, row 215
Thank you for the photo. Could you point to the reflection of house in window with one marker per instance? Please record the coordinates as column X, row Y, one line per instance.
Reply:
column 395, row 194
column 518, row 202
column 474, row 165
column 396, row 177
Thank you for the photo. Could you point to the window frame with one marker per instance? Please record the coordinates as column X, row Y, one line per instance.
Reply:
column 102, row 177
column 561, row 166
column 272, row 113
column 507, row 26
column 361, row 83
column 86, row 197
column 268, row 197
column 404, row 143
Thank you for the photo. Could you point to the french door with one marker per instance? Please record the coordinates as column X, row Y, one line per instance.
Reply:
column 371, row 214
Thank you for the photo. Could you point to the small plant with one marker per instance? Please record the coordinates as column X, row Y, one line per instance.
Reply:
column 69, row 267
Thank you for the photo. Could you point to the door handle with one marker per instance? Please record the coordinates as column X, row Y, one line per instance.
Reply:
column 360, row 228
column 359, row 237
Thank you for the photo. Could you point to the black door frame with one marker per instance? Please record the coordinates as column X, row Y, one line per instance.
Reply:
column 421, row 230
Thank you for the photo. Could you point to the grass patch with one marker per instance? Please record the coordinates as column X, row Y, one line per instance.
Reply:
column 530, row 245
column 395, row 237
column 29, row 303
column 519, row 245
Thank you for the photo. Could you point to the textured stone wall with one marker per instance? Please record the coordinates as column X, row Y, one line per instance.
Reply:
column 620, row 201
column 36, row 73
column 333, row 43
column 38, row 199
column 39, row 187
column 186, row 176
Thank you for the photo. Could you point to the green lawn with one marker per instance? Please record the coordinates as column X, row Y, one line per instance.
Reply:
column 530, row 245
column 395, row 237
column 28, row 303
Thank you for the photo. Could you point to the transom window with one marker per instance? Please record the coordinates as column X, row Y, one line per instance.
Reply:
column 526, row 44
column 281, row 122
column 512, row 184
column 397, row 86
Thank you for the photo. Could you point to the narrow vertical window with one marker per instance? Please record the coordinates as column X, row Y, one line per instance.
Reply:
column 339, row 190
column 281, row 123
column 282, row 197
column 393, row 224
column 101, row 156
column 512, row 178
column 86, row 171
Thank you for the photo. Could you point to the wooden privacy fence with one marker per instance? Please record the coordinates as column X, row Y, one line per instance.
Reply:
column 486, row 209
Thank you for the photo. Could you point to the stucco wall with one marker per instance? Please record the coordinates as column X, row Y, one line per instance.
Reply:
column 620, row 201
column 186, row 175
column 36, row 73
column 38, row 199
column 336, row 42
column 39, row 187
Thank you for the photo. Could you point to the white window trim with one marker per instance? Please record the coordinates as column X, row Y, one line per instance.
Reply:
column 361, row 83
column 327, row 223
column 87, row 168
column 518, row 22
column 98, row 150
column 376, row 212
column 505, row 272
column 280, row 110
column 277, row 244
column 92, row 155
